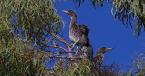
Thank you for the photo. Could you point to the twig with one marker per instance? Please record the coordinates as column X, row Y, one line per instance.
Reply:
column 67, row 52
column 64, row 41
column 75, row 44
column 66, row 57
column 60, row 39
column 54, row 46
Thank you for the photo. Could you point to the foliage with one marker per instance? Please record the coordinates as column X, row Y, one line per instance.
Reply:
column 18, row 60
column 138, row 67
column 29, row 19
column 25, row 24
column 131, row 10
column 85, row 68
column 93, row 2
column 22, row 23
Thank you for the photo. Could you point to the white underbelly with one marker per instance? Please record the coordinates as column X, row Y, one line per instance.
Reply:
column 72, row 37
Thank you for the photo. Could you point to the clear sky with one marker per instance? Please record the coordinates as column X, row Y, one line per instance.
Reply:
column 105, row 30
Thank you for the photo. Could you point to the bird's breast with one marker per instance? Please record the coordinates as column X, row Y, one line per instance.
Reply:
column 73, row 35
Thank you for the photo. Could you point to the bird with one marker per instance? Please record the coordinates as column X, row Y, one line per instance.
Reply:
column 100, row 55
column 79, row 33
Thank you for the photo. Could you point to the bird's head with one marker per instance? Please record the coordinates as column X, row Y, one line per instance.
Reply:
column 70, row 12
column 104, row 49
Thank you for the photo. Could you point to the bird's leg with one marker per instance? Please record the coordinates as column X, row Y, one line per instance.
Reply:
column 70, row 49
column 77, row 50
column 73, row 45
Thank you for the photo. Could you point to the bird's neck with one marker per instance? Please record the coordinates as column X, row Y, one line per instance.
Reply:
column 73, row 21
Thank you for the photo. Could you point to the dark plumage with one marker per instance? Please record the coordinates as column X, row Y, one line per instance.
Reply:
column 100, row 55
column 77, row 32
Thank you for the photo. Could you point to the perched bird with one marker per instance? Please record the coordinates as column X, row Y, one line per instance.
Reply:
column 78, row 33
column 100, row 55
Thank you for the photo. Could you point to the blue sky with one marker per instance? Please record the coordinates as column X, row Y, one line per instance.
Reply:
column 105, row 30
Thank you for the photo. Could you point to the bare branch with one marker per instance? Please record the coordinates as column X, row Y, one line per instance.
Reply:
column 60, row 39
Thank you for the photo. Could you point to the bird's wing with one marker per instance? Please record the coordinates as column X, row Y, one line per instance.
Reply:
column 84, row 29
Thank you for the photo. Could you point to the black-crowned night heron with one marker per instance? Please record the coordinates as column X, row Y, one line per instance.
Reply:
column 100, row 55
column 79, row 33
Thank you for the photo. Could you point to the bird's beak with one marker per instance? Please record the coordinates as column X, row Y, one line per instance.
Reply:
column 108, row 49
column 64, row 11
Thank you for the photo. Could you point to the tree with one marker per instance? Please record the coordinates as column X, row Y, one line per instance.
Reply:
column 29, row 29
column 29, row 17
column 138, row 66
column 24, row 24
